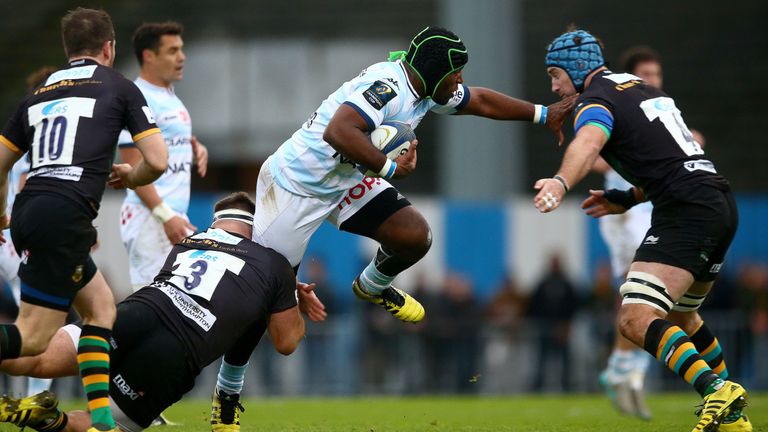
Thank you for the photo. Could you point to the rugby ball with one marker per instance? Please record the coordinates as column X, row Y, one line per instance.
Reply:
column 393, row 138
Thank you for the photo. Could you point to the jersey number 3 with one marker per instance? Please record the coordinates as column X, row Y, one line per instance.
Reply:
column 198, row 272
column 55, row 124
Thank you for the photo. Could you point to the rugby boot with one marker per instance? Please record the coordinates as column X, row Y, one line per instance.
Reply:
column 736, row 421
column 225, row 412
column 401, row 305
column 93, row 429
column 39, row 411
column 730, row 398
column 162, row 420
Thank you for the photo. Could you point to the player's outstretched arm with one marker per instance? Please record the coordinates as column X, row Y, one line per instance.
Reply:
column 58, row 360
column 491, row 104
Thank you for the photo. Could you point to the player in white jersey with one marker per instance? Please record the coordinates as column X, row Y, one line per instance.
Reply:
column 154, row 217
column 315, row 175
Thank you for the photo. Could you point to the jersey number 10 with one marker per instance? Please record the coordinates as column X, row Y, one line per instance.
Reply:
column 55, row 124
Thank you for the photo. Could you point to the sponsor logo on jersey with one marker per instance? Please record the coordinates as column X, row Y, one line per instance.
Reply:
column 187, row 306
column 148, row 114
column 379, row 94
column 124, row 388
column 71, row 173
column 55, row 108
column 700, row 165
column 716, row 268
column 651, row 240
column 75, row 73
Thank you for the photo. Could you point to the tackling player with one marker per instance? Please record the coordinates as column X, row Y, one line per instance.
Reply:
column 215, row 290
column 153, row 217
column 69, row 126
column 640, row 132
column 314, row 175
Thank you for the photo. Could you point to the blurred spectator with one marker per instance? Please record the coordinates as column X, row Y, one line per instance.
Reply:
column 603, row 304
column 506, row 310
column 552, row 307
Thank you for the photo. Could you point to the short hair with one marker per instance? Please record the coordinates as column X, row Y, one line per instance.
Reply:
column 38, row 77
column 84, row 31
column 638, row 54
column 236, row 200
column 148, row 36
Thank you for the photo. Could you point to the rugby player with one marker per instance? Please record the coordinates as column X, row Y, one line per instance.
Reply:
column 153, row 217
column 316, row 174
column 639, row 131
column 215, row 290
column 69, row 126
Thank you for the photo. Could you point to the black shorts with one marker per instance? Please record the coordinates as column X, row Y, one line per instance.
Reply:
column 149, row 366
column 692, row 232
column 368, row 219
column 53, row 235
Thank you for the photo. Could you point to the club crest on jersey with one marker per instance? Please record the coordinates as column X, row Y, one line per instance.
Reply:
column 77, row 276
column 379, row 94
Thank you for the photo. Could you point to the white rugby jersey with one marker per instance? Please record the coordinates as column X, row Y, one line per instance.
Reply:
column 174, row 122
column 308, row 166
column 20, row 168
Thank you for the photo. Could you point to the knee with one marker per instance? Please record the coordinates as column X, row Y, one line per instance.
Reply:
column 411, row 243
column 102, row 316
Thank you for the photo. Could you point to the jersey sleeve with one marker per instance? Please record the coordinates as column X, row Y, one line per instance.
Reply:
column 375, row 102
column 139, row 119
column 594, row 111
column 13, row 133
column 456, row 103
column 284, row 280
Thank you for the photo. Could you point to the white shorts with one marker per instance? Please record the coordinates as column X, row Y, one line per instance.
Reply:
column 623, row 234
column 9, row 265
column 145, row 241
column 285, row 222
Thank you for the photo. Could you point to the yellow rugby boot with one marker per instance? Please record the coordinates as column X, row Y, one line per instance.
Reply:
column 736, row 421
column 731, row 398
column 39, row 411
column 401, row 305
column 225, row 412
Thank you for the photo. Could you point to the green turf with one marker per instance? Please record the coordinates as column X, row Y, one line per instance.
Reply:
column 672, row 412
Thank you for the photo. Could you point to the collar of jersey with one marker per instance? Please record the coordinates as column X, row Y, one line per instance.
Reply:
column 157, row 88
column 229, row 232
column 408, row 81
column 82, row 62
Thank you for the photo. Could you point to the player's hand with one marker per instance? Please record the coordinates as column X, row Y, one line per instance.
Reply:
column 119, row 178
column 201, row 156
column 406, row 163
column 597, row 206
column 551, row 193
column 177, row 228
column 557, row 113
column 309, row 303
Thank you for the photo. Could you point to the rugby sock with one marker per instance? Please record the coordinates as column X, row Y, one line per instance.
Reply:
column 10, row 342
column 382, row 270
column 93, row 358
column 231, row 378
column 706, row 343
column 620, row 364
column 671, row 346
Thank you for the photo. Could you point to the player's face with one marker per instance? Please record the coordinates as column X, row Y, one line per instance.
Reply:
column 169, row 60
column 561, row 82
column 650, row 72
column 448, row 87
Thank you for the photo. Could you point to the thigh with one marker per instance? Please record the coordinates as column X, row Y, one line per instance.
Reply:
column 367, row 206
column 284, row 221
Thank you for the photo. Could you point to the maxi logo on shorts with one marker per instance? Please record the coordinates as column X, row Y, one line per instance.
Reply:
column 125, row 388
column 187, row 306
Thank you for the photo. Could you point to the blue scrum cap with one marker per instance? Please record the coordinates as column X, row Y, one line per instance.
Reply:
column 576, row 52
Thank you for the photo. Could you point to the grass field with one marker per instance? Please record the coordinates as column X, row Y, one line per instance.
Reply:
column 672, row 412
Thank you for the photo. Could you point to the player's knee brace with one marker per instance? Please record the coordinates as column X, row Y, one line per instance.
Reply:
column 689, row 303
column 647, row 289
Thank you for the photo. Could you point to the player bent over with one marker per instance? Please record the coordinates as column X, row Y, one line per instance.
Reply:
column 639, row 131
column 216, row 290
